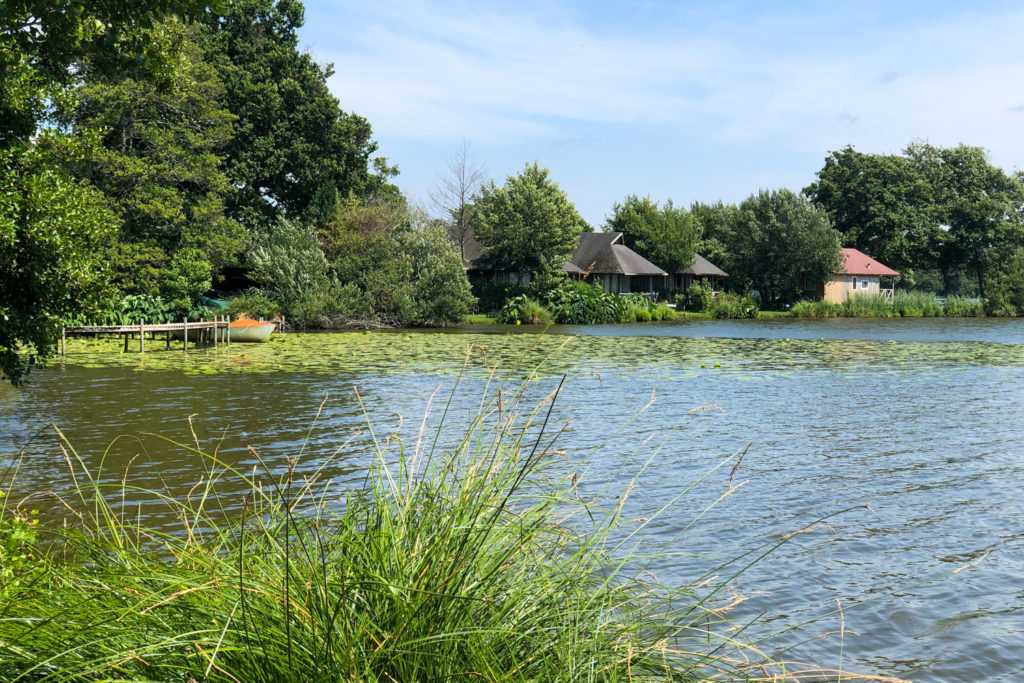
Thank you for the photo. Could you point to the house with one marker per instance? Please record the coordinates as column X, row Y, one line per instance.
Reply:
column 858, row 274
column 481, row 266
column 602, row 258
column 699, row 269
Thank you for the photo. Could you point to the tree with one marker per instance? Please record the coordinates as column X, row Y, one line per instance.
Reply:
column 41, row 39
column 52, row 232
column 979, row 203
column 779, row 238
column 291, row 138
column 882, row 205
column 53, row 228
column 404, row 264
column 666, row 236
column 161, row 131
column 528, row 224
column 455, row 192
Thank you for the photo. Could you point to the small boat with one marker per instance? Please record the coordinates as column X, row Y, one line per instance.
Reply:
column 248, row 330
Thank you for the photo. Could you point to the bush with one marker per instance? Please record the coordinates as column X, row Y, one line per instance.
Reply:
column 253, row 304
column 729, row 305
column 524, row 310
column 491, row 295
column 580, row 303
column 697, row 297
column 815, row 309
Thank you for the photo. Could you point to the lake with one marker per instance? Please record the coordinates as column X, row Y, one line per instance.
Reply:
column 916, row 427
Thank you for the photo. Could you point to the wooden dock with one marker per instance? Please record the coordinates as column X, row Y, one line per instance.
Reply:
column 200, row 332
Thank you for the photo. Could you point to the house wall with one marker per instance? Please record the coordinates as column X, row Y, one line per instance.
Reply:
column 841, row 287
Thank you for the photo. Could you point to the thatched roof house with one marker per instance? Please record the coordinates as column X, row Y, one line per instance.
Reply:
column 602, row 257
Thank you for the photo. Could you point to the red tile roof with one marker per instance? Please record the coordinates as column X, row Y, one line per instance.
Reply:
column 858, row 263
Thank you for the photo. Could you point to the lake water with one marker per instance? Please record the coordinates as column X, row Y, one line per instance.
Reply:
column 922, row 421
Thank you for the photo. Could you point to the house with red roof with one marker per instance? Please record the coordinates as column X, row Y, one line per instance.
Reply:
column 858, row 274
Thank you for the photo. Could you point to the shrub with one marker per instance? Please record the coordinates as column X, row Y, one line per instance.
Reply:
column 491, row 295
column 581, row 303
column 253, row 304
column 524, row 310
column 729, row 305
column 867, row 306
column 696, row 298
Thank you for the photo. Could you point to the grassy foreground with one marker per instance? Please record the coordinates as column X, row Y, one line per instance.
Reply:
column 472, row 562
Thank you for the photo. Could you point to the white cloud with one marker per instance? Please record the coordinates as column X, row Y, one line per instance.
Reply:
column 437, row 71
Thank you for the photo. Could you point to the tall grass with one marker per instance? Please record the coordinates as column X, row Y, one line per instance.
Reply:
column 472, row 562
column 907, row 304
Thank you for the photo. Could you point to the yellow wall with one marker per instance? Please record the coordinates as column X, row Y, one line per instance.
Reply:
column 840, row 287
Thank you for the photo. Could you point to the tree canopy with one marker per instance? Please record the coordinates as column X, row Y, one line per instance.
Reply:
column 882, row 205
column 528, row 224
column 777, row 239
column 291, row 139
column 667, row 236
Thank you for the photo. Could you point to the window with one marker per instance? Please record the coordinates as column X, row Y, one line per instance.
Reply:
column 864, row 284
column 855, row 283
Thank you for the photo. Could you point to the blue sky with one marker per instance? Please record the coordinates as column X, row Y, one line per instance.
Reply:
column 682, row 100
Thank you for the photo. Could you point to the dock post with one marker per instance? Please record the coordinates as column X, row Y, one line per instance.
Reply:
column 227, row 330
column 142, row 337
column 184, row 337
column 63, row 341
column 167, row 340
column 126, row 342
column 216, row 331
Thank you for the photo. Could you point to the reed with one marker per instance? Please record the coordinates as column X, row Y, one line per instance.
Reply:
column 473, row 561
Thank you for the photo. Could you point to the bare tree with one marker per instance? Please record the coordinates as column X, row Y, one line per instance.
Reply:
column 456, row 189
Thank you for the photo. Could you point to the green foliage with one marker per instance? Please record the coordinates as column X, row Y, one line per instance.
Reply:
column 528, row 224
column 522, row 309
column 666, row 236
column 580, row 303
column 491, row 295
column 52, row 234
column 979, row 203
column 405, row 265
column 254, row 304
column 910, row 304
column 882, row 205
column 697, row 297
column 161, row 134
column 962, row 308
column 729, row 305
column 287, row 261
column 291, row 140
column 18, row 552
column 1005, row 293
column 40, row 41
column 777, row 239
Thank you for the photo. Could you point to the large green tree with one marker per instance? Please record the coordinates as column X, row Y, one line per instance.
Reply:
column 161, row 132
column 51, row 232
column 53, row 229
column 882, row 205
column 528, row 224
column 291, row 141
column 667, row 236
column 777, row 239
column 980, row 205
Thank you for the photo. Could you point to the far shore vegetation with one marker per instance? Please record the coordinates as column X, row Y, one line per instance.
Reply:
column 160, row 158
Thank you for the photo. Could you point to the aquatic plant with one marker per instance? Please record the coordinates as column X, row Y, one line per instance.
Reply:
column 523, row 309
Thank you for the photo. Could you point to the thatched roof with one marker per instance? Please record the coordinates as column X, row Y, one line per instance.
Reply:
column 603, row 253
column 701, row 266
